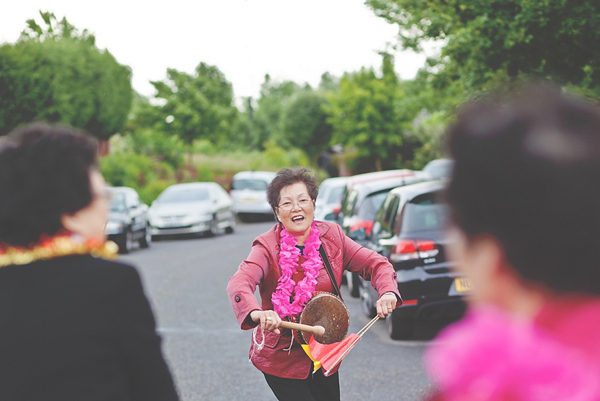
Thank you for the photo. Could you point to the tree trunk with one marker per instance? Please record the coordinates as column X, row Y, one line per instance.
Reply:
column 378, row 164
column 103, row 148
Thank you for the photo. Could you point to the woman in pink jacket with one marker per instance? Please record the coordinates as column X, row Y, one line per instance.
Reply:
column 286, row 265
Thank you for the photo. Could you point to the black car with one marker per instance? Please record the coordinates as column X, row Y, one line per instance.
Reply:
column 409, row 230
column 128, row 219
column 358, row 212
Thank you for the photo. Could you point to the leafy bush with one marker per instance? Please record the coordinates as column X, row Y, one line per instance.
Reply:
column 204, row 146
column 163, row 147
column 296, row 157
column 204, row 174
column 430, row 133
column 277, row 157
column 274, row 155
column 151, row 191
column 133, row 170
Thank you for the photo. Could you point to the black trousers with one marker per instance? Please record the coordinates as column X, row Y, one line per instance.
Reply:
column 315, row 387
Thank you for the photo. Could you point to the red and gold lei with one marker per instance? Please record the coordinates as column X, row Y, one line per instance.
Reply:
column 55, row 247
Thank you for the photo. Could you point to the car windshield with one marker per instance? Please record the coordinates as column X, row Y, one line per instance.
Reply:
column 424, row 212
column 368, row 209
column 250, row 183
column 117, row 202
column 184, row 195
column 335, row 195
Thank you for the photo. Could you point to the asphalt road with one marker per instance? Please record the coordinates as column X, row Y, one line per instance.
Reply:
column 185, row 280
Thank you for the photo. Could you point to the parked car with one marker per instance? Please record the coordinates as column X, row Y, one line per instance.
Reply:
column 375, row 175
column 329, row 199
column 128, row 219
column 439, row 168
column 249, row 194
column 192, row 208
column 359, row 209
column 409, row 230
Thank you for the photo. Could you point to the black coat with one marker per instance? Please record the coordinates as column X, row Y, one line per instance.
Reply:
column 78, row 328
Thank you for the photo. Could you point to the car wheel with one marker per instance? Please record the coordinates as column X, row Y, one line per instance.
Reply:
column 353, row 284
column 126, row 242
column 231, row 227
column 146, row 240
column 366, row 303
column 399, row 328
column 214, row 230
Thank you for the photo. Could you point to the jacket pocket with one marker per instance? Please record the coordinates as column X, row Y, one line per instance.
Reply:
column 271, row 339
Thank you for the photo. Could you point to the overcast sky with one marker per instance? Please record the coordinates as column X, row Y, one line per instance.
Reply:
column 245, row 39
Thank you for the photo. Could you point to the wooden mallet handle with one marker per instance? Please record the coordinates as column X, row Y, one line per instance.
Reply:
column 318, row 330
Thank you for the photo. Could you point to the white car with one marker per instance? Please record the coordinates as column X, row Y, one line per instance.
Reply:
column 329, row 199
column 192, row 208
column 249, row 193
column 440, row 168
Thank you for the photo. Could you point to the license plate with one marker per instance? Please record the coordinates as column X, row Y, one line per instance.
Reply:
column 463, row 284
column 171, row 223
column 249, row 199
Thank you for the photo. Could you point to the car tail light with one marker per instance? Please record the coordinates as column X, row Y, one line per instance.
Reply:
column 407, row 249
column 367, row 225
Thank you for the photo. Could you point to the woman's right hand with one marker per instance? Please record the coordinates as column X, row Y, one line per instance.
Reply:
column 268, row 320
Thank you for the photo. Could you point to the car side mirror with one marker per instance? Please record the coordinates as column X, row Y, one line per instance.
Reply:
column 376, row 228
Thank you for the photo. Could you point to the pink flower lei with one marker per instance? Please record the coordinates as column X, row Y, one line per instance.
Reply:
column 489, row 355
column 288, row 261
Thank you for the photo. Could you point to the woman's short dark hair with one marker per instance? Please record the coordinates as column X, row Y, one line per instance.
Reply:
column 44, row 174
column 527, row 172
column 290, row 176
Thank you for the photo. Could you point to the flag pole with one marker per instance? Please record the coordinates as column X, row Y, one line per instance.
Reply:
column 360, row 333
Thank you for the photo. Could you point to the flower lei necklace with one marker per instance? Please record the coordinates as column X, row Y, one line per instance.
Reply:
column 288, row 261
column 54, row 247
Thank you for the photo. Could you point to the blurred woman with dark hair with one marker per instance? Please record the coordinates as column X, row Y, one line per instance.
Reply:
column 285, row 263
column 525, row 203
column 74, row 326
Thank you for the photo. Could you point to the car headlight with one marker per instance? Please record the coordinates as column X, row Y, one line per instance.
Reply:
column 203, row 216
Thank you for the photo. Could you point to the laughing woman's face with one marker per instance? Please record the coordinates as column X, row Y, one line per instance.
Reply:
column 296, row 210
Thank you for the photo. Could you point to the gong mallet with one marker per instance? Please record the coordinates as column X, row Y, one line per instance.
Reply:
column 318, row 330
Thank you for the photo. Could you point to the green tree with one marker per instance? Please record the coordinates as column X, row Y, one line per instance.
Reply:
column 492, row 42
column 57, row 74
column 328, row 83
column 305, row 122
column 198, row 106
column 268, row 123
column 53, row 29
column 364, row 116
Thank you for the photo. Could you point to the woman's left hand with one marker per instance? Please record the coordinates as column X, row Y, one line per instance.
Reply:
column 386, row 304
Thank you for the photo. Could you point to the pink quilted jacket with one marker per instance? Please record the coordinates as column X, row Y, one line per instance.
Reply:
column 261, row 269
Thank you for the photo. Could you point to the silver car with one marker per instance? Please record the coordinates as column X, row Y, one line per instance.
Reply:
column 249, row 193
column 192, row 208
column 330, row 198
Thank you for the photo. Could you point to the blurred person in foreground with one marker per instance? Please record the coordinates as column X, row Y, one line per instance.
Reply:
column 286, row 265
column 525, row 205
column 73, row 325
